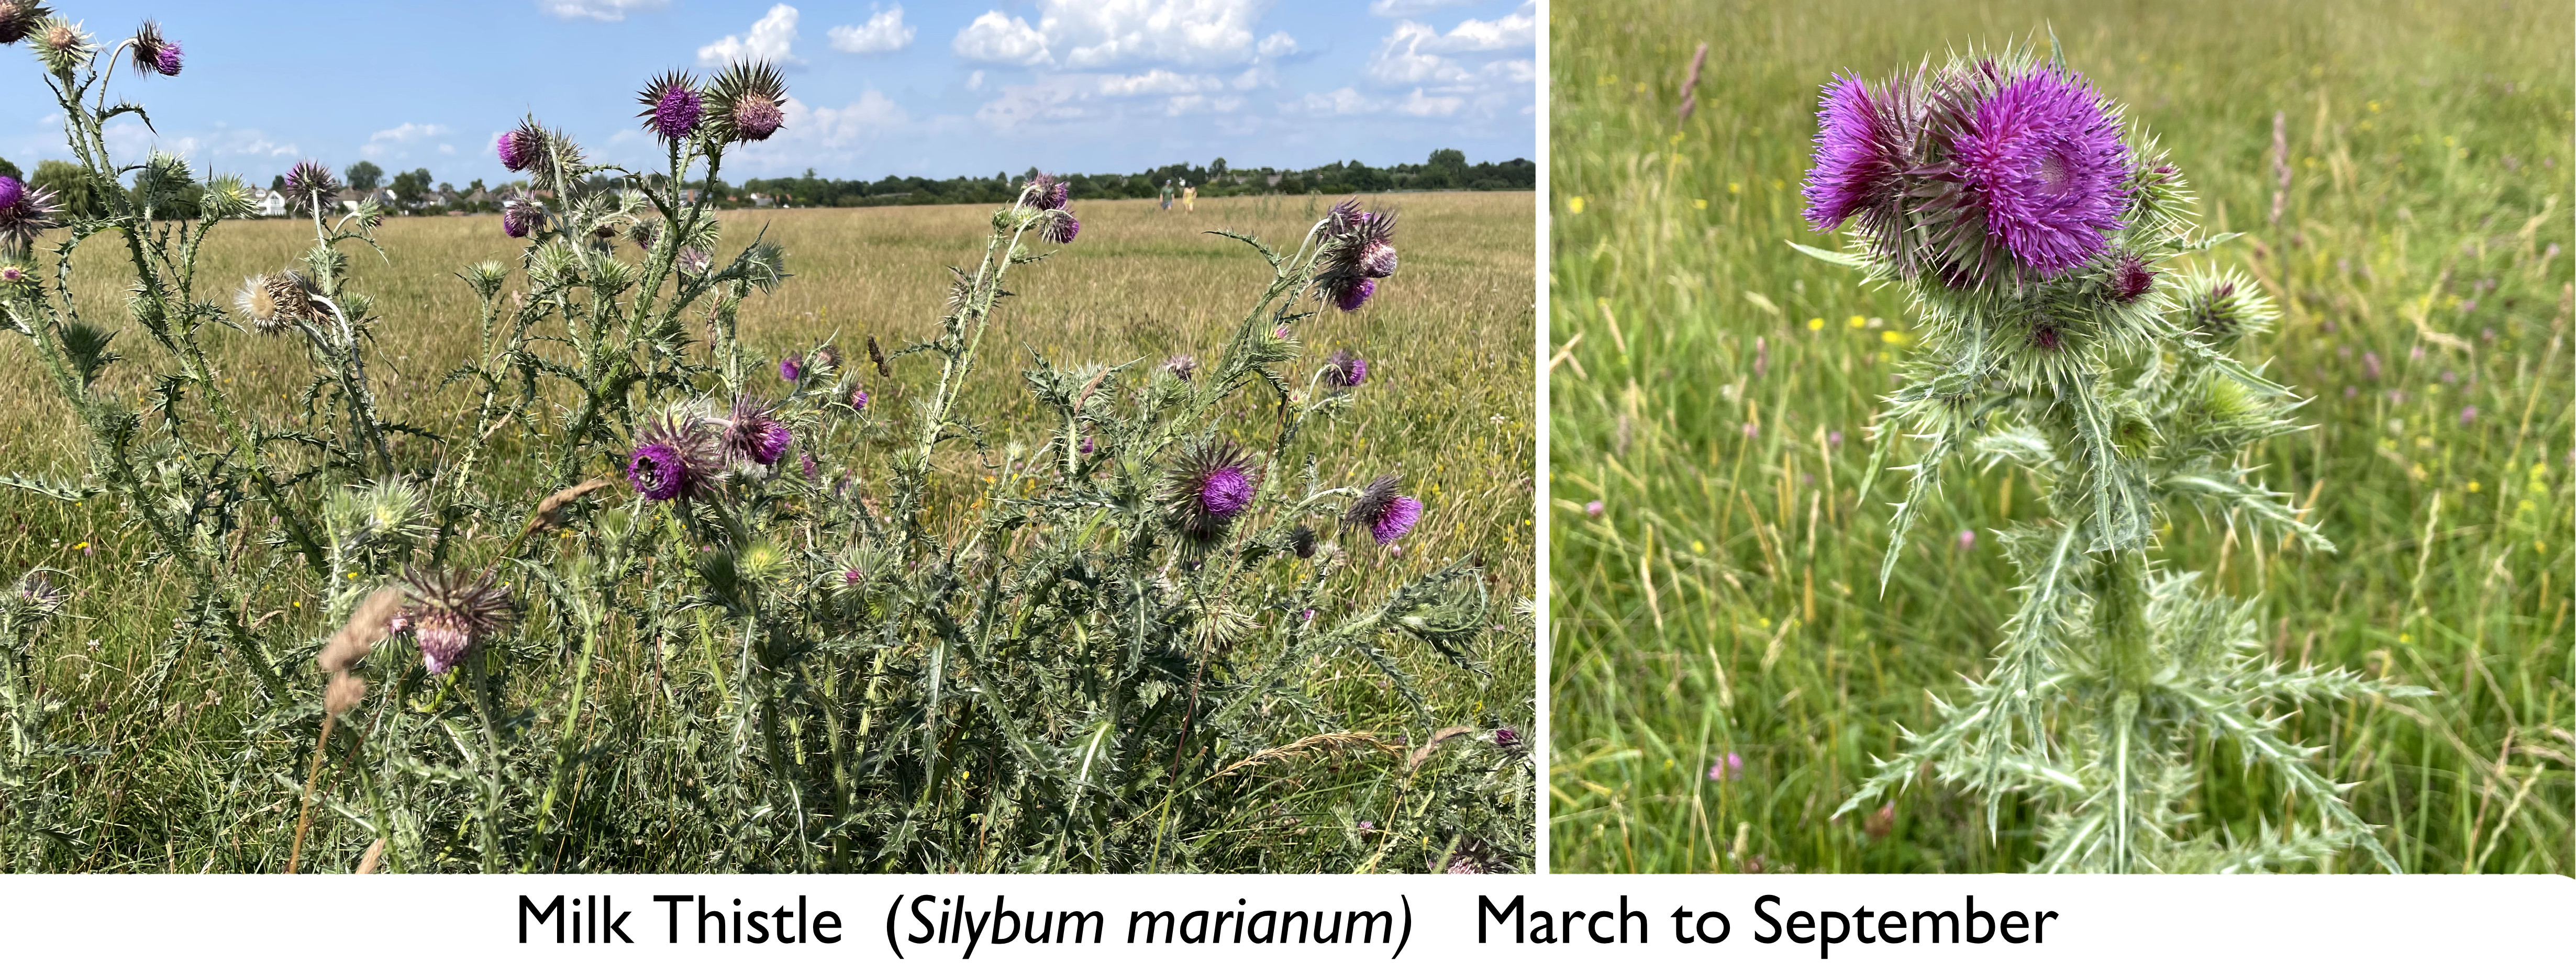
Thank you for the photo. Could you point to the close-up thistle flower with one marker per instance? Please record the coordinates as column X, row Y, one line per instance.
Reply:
column 153, row 53
column 18, row 18
column 1386, row 514
column 452, row 613
column 1357, row 250
column 1345, row 369
column 1182, row 366
column 1061, row 227
column 61, row 46
column 676, row 454
column 523, row 148
column 672, row 106
column 311, row 187
column 753, row 433
column 27, row 218
column 521, row 216
column 1046, row 192
column 747, row 102
column 275, row 302
column 791, row 367
column 1213, row 485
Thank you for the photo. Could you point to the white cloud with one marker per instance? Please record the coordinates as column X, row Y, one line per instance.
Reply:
column 1158, row 82
column 771, row 38
column 1430, row 106
column 1344, row 101
column 1092, row 33
column 1408, row 8
column 394, row 141
column 975, row 81
column 836, row 127
column 1514, row 30
column 997, row 39
column 1116, row 33
column 605, row 10
column 883, row 33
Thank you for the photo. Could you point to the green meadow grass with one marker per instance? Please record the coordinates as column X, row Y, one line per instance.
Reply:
column 1713, row 390
column 184, row 779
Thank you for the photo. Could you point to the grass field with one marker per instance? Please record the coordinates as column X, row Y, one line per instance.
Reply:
column 1449, row 405
column 1713, row 390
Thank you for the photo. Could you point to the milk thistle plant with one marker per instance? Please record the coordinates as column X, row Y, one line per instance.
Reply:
column 884, row 641
column 2035, row 234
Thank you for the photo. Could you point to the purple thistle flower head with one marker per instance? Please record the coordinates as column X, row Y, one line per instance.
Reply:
column 675, row 454
column 1086, row 446
column 1213, row 485
column 792, row 367
column 1506, row 737
column 749, row 102
column 1049, row 193
column 451, row 614
column 153, row 53
column 2131, row 278
column 18, row 18
column 11, row 190
column 1348, row 293
column 12, row 274
column 657, row 471
column 1386, row 514
column 1226, row 491
column 1181, row 366
column 311, row 185
column 1377, row 259
column 1345, row 369
column 753, row 433
column 1061, row 227
column 672, row 106
column 2042, row 157
column 1864, row 146
column 522, row 148
column 858, row 399
column 695, row 260
column 518, row 217
column 806, row 460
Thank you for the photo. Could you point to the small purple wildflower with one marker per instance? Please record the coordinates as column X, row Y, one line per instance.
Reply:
column 2468, row 306
column 1506, row 737
column 1730, row 767
column 1086, row 446
column 2415, row 354
column 792, row 367
column 1592, row 509
column 806, row 460
column 2468, row 415
column 1967, row 539
column 2349, row 392
column 2449, row 377
column 2370, row 364
column 858, row 399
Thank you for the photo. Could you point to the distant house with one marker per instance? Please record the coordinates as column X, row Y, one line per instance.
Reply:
column 272, row 204
column 350, row 199
column 761, row 200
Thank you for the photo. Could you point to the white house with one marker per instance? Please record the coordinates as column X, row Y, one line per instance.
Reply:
column 273, row 204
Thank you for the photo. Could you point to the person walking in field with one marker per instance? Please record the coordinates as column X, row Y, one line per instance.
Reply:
column 1166, row 196
column 1189, row 197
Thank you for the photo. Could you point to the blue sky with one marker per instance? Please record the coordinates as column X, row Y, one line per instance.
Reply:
column 923, row 88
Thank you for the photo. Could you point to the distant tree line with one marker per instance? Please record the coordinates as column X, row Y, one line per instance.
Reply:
column 415, row 192
column 1445, row 169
